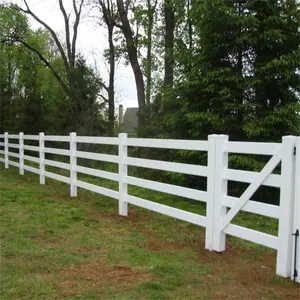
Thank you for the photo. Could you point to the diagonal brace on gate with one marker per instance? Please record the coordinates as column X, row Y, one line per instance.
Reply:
column 248, row 193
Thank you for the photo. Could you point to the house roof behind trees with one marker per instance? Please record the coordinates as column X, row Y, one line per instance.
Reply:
column 130, row 120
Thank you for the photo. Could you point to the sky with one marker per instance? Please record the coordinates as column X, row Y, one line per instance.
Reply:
column 92, row 40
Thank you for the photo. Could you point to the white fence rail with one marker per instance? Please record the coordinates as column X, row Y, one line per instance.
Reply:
column 221, row 208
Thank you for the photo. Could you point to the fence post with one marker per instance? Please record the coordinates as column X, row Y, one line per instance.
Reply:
column 285, row 238
column 220, row 189
column 73, row 164
column 42, row 157
column 21, row 153
column 296, row 255
column 211, row 192
column 6, row 150
column 123, row 205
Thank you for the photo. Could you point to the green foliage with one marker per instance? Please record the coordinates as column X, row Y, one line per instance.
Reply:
column 85, row 112
column 32, row 100
column 241, row 78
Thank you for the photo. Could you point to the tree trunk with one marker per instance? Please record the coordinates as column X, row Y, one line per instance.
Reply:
column 169, row 43
column 148, row 74
column 133, row 58
column 109, row 18
column 240, row 92
column 189, row 8
column 73, row 98
column 111, row 92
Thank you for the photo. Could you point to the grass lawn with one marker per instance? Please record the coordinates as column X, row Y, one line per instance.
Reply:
column 57, row 247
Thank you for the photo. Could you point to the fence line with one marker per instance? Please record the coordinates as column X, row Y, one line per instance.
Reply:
column 221, row 208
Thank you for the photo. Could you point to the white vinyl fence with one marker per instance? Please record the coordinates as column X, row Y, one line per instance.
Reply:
column 220, row 207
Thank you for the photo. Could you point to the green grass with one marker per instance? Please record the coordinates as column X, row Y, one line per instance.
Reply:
column 57, row 247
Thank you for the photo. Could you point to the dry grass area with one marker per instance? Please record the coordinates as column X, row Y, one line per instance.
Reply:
column 57, row 247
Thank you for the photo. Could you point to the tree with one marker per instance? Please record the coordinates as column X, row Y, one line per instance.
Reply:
column 88, row 108
column 169, row 42
column 32, row 99
column 243, row 79
column 149, row 59
column 109, row 15
column 242, row 75
column 276, row 64
column 68, row 55
column 133, row 58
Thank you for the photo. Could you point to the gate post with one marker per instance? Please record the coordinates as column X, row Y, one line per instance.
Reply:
column 285, row 231
column 21, row 153
column 42, row 157
column 220, row 189
column 6, row 150
column 296, row 255
column 123, row 205
column 209, row 230
column 73, row 165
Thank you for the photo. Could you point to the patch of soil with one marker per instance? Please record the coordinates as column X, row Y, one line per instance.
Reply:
column 42, row 238
column 133, row 215
column 98, row 275
column 146, row 232
column 237, row 273
column 158, row 245
column 19, row 183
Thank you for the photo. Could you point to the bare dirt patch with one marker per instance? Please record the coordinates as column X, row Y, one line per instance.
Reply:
column 158, row 245
column 98, row 275
column 238, row 277
column 146, row 232
column 237, row 273
column 133, row 215
column 19, row 183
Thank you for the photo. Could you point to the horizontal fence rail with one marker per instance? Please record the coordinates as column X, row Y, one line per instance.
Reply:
column 31, row 158
column 97, row 173
column 168, row 166
column 221, row 208
column 97, row 140
column 31, row 148
column 167, row 188
column 167, row 210
column 252, row 148
column 169, row 144
column 273, row 180
column 31, row 137
column 97, row 156
column 57, row 138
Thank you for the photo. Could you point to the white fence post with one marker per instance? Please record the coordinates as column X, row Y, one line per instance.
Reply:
column 211, row 192
column 42, row 157
column 73, row 164
column 6, row 150
column 21, row 153
column 221, row 163
column 285, row 238
column 123, row 205
column 296, row 215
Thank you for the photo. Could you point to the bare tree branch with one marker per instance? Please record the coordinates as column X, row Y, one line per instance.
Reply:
column 103, row 98
column 75, row 28
column 61, row 50
column 75, row 7
column 103, row 85
column 67, row 29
